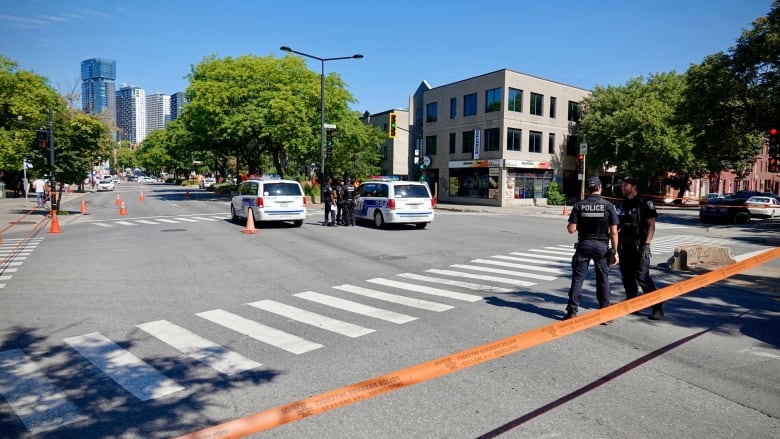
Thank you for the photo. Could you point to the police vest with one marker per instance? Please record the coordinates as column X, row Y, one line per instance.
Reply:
column 349, row 192
column 593, row 219
column 632, row 227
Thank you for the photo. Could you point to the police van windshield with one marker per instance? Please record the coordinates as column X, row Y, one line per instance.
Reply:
column 411, row 191
column 281, row 189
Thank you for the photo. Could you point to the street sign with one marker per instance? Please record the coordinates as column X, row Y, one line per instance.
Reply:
column 584, row 148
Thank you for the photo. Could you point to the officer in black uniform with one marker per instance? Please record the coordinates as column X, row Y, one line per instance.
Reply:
column 596, row 223
column 328, row 198
column 348, row 196
column 637, row 228
column 339, row 192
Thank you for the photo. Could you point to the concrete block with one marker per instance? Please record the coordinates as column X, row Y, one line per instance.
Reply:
column 700, row 257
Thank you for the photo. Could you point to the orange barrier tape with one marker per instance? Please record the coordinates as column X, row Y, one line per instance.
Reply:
column 399, row 379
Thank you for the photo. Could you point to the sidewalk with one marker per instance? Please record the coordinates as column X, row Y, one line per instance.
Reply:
column 19, row 216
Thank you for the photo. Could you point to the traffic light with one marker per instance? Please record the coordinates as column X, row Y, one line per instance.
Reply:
column 329, row 143
column 391, row 126
column 774, row 142
column 772, row 165
column 580, row 163
column 42, row 137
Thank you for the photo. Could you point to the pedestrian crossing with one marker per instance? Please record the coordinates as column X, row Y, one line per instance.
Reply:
column 412, row 296
column 13, row 253
column 129, row 222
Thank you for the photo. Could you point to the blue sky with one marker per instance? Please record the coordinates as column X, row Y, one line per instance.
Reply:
column 579, row 43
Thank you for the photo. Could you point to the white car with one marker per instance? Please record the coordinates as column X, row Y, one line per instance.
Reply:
column 269, row 200
column 763, row 207
column 207, row 182
column 394, row 202
column 105, row 185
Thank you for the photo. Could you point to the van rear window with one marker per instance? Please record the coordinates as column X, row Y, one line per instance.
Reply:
column 282, row 189
column 411, row 191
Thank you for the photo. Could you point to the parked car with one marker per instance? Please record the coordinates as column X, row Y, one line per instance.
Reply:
column 394, row 202
column 706, row 197
column 269, row 200
column 763, row 207
column 207, row 182
column 105, row 184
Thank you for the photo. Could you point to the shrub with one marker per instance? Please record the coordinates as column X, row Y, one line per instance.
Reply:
column 554, row 195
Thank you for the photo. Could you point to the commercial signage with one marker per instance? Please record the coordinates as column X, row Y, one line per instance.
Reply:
column 494, row 163
column 476, row 143
column 532, row 164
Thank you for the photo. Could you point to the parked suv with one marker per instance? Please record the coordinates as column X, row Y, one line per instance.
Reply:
column 270, row 200
column 394, row 202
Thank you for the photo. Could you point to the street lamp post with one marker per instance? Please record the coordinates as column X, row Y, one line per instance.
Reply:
column 322, row 102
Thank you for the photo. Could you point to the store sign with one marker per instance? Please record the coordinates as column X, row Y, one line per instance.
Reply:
column 476, row 144
column 495, row 163
column 494, row 172
column 528, row 164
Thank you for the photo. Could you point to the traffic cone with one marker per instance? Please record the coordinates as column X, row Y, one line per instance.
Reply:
column 250, row 224
column 55, row 224
column 122, row 211
column 118, row 201
column 83, row 207
column 564, row 210
column 141, row 197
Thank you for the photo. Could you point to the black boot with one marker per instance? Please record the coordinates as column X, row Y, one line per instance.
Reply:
column 658, row 312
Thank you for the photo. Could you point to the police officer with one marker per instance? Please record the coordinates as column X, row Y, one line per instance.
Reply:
column 348, row 197
column 339, row 193
column 637, row 228
column 596, row 223
column 328, row 198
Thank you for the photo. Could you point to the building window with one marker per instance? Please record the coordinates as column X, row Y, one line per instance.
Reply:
column 470, row 104
column 430, row 145
column 537, row 104
column 571, row 145
column 493, row 100
column 432, row 112
column 514, row 139
column 492, row 139
column 452, row 143
column 535, row 141
column 553, row 104
column 468, row 142
column 515, row 102
column 551, row 143
column 574, row 112
column 453, row 108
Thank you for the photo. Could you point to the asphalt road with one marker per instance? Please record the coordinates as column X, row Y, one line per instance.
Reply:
column 168, row 319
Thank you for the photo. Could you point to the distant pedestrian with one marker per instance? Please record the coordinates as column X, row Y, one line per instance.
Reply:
column 596, row 222
column 637, row 227
column 329, row 199
column 349, row 203
column 39, row 186
column 339, row 192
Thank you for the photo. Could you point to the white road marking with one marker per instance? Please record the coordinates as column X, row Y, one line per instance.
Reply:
column 426, row 290
column 455, row 283
column 313, row 319
column 394, row 298
column 503, row 280
column 357, row 308
column 500, row 271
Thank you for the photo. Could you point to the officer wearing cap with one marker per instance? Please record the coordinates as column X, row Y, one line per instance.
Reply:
column 637, row 228
column 596, row 223
column 339, row 192
column 349, row 203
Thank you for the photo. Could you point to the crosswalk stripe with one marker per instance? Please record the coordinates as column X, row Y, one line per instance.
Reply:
column 199, row 348
column 188, row 220
column 6, row 254
column 140, row 379
column 534, row 261
column 500, row 271
column 426, row 290
column 567, row 249
column 504, row 280
column 559, row 252
column 203, row 218
column 167, row 220
column 266, row 334
column 394, row 298
column 147, row 221
column 103, row 224
column 545, row 257
column 557, row 271
column 455, row 283
column 126, row 223
column 4, row 277
column 357, row 308
column 310, row 318
column 38, row 403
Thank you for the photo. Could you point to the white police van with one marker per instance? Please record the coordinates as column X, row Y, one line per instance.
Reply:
column 394, row 202
column 270, row 200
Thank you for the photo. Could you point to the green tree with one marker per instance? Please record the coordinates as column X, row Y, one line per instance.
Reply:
column 635, row 128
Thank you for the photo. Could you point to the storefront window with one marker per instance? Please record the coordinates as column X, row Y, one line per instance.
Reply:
column 472, row 183
column 530, row 184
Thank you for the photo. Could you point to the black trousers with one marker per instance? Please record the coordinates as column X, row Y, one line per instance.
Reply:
column 586, row 251
column 635, row 271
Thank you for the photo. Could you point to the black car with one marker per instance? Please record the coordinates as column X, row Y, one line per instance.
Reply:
column 729, row 210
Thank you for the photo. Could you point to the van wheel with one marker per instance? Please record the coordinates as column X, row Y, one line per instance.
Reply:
column 379, row 220
column 421, row 225
column 233, row 215
column 298, row 223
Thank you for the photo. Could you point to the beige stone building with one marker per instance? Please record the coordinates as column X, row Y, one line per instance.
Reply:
column 498, row 138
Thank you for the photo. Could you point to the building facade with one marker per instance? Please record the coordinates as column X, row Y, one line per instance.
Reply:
column 178, row 101
column 131, row 114
column 497, row 139
column 395, row 152
column 158, row 111
column 98, row 88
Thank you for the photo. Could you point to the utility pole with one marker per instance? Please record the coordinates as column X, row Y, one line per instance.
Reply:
column 54, row 204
